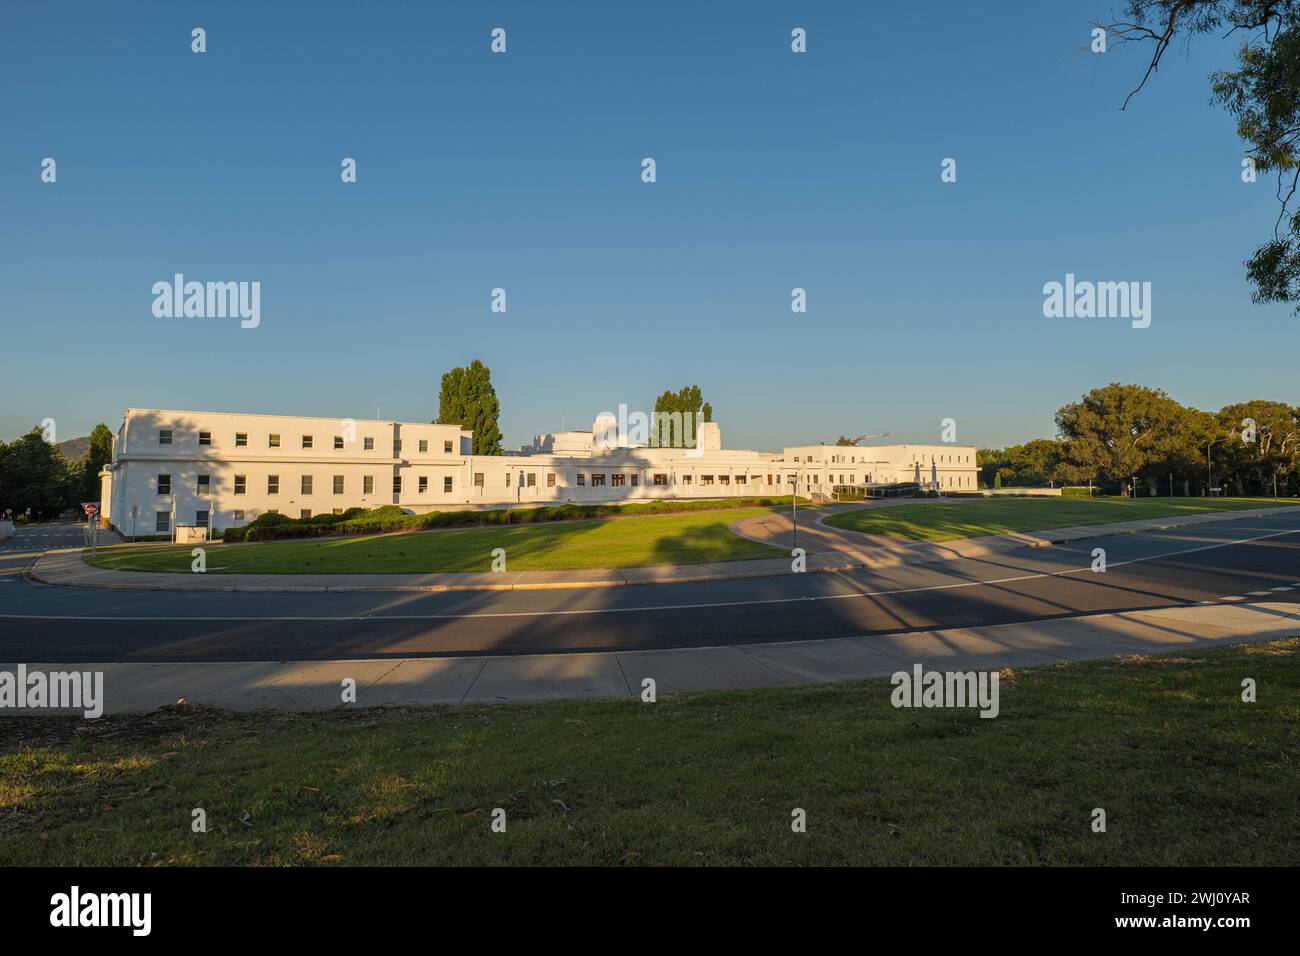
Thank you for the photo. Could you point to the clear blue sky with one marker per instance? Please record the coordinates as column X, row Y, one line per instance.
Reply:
column 522, row 171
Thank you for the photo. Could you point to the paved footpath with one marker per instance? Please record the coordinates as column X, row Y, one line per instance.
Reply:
column 830, row 550
column 301, row 686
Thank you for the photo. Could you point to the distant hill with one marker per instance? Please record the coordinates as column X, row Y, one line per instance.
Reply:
column 74, row 448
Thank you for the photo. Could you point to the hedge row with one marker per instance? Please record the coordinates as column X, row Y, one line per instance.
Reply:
column 271, row 527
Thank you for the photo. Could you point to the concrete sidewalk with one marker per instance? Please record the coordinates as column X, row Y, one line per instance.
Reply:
column 300, row 686
column 831, row 550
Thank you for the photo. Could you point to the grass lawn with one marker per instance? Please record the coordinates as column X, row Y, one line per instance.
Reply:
column 1187, row 773
column 689, row 538
column 970, row 518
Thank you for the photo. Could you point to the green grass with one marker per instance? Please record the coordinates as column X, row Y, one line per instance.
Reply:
column 1187, row 773
column 613, row 543
column 969, row 518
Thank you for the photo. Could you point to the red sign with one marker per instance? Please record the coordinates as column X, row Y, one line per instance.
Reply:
column 91, row 509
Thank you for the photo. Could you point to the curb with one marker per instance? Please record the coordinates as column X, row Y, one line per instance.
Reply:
column 1032, row 540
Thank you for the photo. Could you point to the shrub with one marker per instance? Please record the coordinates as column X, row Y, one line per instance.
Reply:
column 390, row 518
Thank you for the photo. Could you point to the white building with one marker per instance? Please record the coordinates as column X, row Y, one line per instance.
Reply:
column 199, row 469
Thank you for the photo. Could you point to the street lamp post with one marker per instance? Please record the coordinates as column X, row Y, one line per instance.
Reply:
column 1209, row 478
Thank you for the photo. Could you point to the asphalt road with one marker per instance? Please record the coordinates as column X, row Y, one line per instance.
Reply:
column 1246, row 559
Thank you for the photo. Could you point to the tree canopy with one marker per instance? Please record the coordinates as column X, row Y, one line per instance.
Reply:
column 1119, row 432
column 468, row 399
column 1262, row 95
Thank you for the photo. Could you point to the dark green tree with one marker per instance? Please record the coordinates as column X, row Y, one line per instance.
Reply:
column 468, row 399
column 34, row 475
column 687, row 403
column 92, row 463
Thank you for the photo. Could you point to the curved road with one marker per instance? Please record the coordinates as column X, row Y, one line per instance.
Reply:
column 1246, row 559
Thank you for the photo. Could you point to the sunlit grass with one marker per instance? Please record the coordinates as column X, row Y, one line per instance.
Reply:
column 969, row 518
column 689, row 538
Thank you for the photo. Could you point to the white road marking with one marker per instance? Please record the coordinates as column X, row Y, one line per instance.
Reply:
column 1282, row 589
column 1258, row 593
column 653, row 607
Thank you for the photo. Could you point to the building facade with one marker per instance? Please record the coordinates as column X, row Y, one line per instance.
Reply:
column 216, row 470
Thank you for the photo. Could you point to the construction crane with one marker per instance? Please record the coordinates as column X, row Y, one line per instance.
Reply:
column 854, row 441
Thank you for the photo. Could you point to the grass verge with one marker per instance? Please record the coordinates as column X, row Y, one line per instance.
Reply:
column 611, row 543
column 976, row 517
column 1187, row 773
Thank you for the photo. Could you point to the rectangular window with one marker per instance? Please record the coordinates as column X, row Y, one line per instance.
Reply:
column 237, row 515
column 200, row 519
column 706, row 479
column 446, row 484
column 424, row 446
column 597, row 480
column 205, row 484
column 338, row 442
column 304, row 513
column 164, row 484
column 532, row 479
column 424, row 484
column 241, row 439
column 338, row 511
column 741, row 479
column 397, row 447
column 550, row 479
column 446, row 448
column 660, row 478
column 306, row 484
column 241, row 484
column 205, row 438
column 582, row 479
column 272, row 484
column 164, row 436
column 368, row 485
column 368, row 444
column 397, row 486
column 724, row 479
column 338, row 484
column 687, row 479
column 306, row 441
column 478, row 479
column 162, row 522
column 618, row 481
column 272, row 441
column 635, row 479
